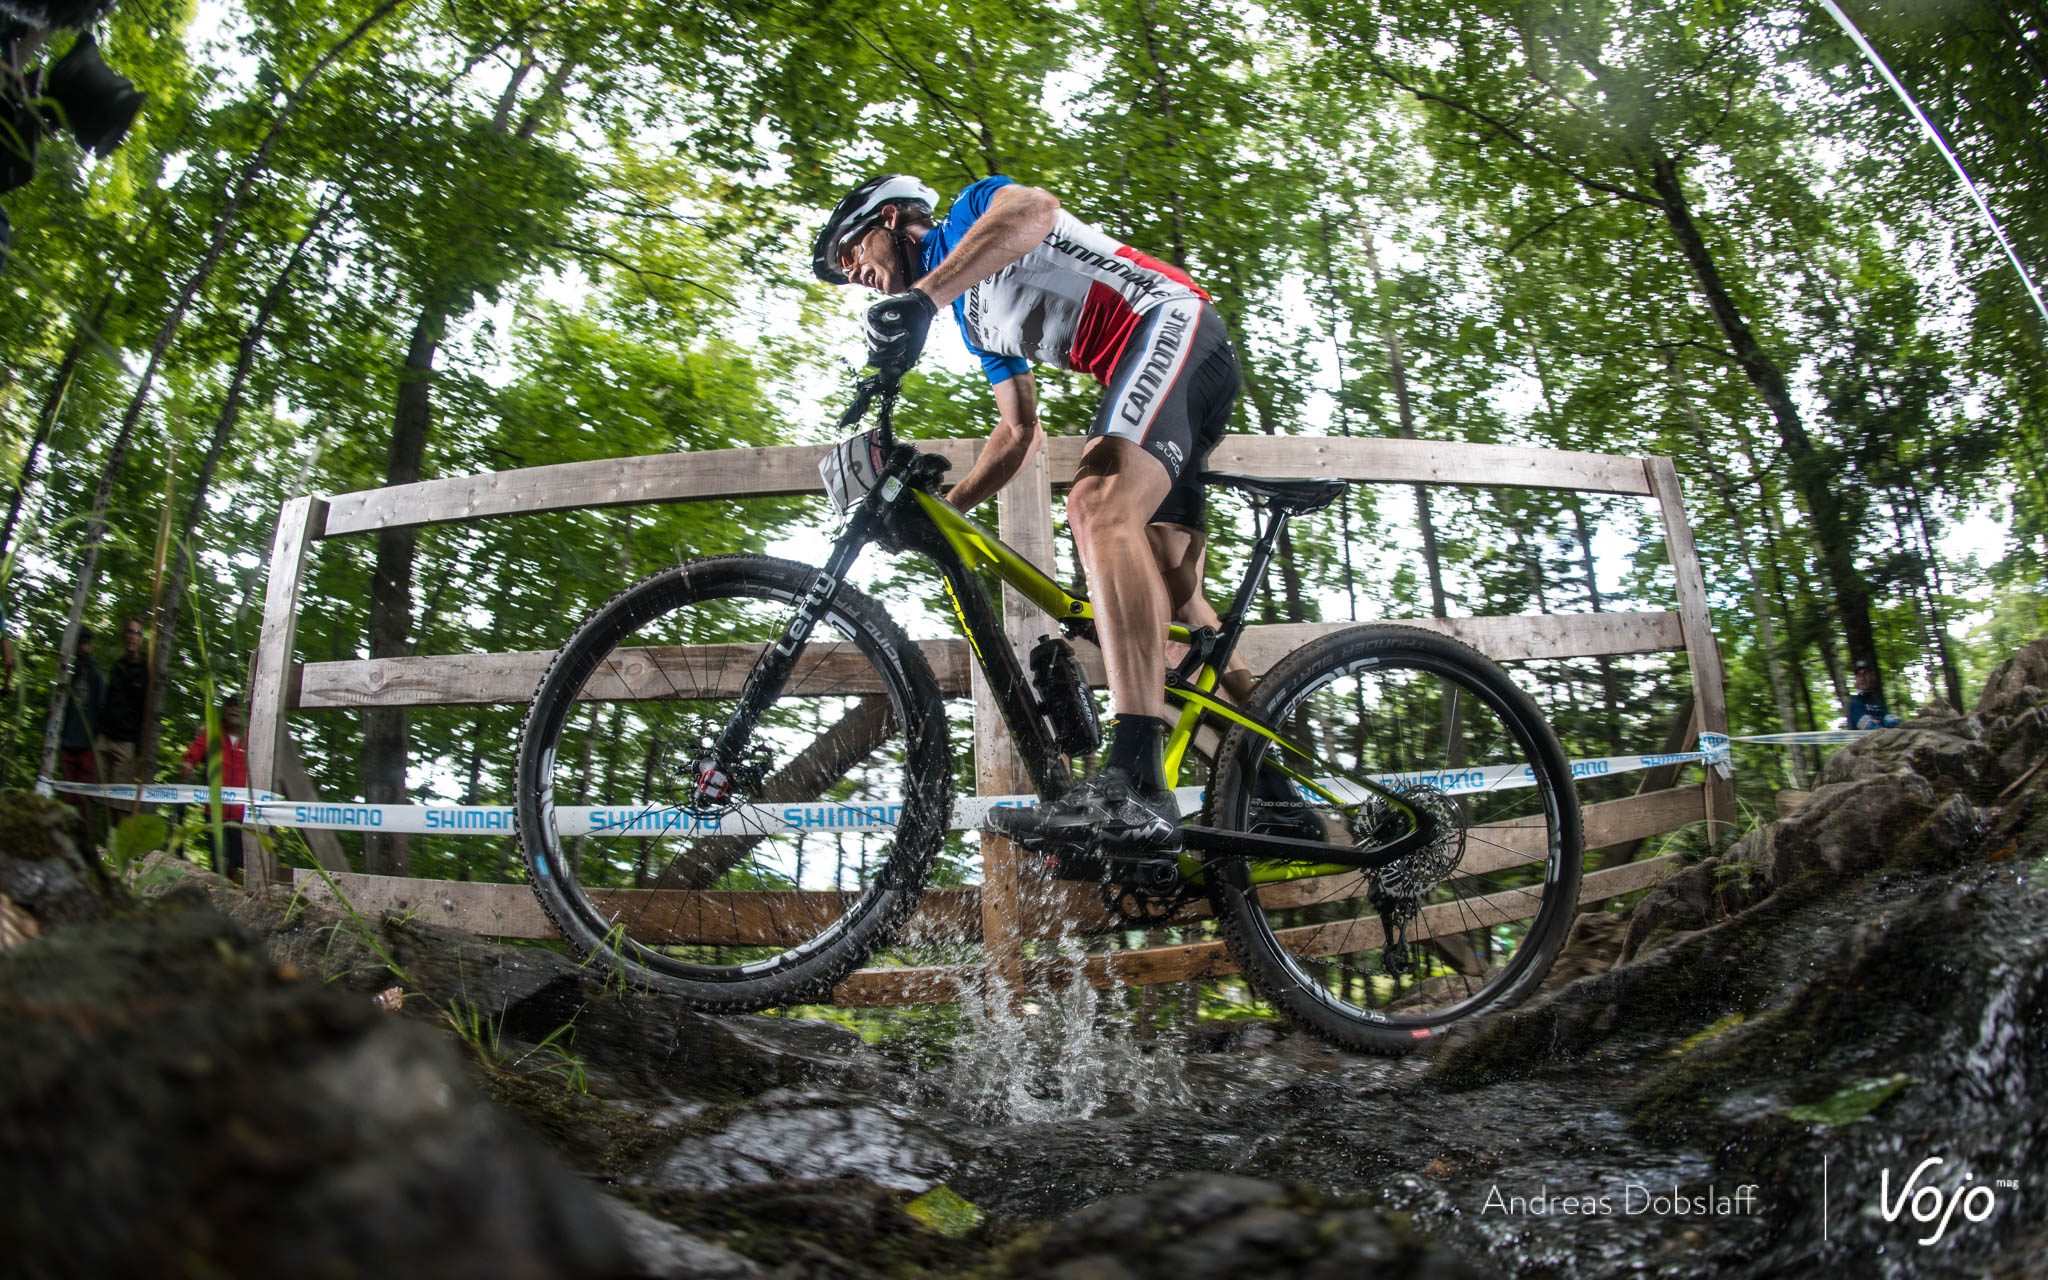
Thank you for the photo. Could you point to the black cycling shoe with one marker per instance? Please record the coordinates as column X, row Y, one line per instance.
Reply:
column 1107, row 815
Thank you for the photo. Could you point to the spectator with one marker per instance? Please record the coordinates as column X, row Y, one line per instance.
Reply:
column 234, row 772
column 1866, row 705
column 76, row 761
column 120, row 728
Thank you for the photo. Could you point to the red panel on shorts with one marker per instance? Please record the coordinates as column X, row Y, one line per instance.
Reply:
column 1107, row 323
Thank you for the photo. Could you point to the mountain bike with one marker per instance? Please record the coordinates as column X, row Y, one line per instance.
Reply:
column 1418, row 861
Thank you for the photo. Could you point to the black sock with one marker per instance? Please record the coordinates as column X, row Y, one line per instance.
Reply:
column 1137, row 747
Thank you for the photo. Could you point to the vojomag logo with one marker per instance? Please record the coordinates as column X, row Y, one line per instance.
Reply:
column 1921, row 1198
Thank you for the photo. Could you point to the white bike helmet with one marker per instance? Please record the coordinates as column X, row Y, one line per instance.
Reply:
column 859, row 211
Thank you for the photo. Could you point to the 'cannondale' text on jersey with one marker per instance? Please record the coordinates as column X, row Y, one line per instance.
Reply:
column 1073, row 302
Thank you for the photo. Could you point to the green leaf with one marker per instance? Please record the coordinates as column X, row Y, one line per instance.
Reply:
column 945, row 1211
column 1852, row 1103
column 142, row 834
column 1719, row 1027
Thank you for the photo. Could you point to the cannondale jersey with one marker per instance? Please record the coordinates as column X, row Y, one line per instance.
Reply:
column 1074, row 301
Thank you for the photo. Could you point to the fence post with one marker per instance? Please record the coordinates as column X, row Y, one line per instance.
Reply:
column 1702, row 651
column 1024, row 521
column 272, row 688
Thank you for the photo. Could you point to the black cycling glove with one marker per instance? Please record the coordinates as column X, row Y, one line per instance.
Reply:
column 896, row 329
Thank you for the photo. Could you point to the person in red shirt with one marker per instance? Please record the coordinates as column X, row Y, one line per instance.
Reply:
column 234, row 772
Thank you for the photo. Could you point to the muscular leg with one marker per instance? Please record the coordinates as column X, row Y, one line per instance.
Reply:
column 1118, row 488
column 1181, row 554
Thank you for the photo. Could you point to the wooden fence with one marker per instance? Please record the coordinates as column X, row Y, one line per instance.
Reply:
column 995, row 912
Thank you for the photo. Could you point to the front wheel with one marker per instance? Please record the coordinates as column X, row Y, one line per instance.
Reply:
column 771, row 887
column 1383, row 960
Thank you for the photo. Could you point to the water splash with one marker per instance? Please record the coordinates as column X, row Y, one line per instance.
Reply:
column 1069, row 1053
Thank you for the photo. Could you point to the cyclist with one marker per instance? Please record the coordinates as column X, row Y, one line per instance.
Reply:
column 1028, row 281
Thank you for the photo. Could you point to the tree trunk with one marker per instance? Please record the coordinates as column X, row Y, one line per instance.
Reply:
column 384, row 728
column 53, row 405
column 1951, row 678
column 1760, row 605
column 1837, row 541
column 195, row 508
column 1404, row 417
column 117, row 452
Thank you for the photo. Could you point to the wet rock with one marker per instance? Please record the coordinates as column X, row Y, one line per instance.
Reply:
column 2014, row 710
column 649, row 1046
column 186, row 1110
column 661, row 1251
column 1219, row 1227
column 1944, row 748
column 43, row 871
column 841, row 1230
column 806, row 1137
column 1593, row 945
column 1701, row 895
column 1698, row 944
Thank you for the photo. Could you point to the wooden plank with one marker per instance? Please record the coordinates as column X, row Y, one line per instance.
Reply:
column 1182, row 963
column 299, row 522
column 482, row 679
column 784, row 470
column 776, row 471
column 1637, row 817
column 1504, row 639
column 1376, row 460
column 876, row 988
column 1683, row 732
column 1702, row 651
column 711, row 918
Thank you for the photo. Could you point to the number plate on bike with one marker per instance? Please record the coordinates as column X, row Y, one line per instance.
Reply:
column 851, row 470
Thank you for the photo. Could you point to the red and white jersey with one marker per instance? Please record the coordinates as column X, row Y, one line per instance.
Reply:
column 1073, row 302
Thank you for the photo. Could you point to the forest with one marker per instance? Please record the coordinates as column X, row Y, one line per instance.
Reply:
column 355, row 243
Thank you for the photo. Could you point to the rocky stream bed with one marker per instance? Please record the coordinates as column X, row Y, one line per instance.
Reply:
column 1808, row 1054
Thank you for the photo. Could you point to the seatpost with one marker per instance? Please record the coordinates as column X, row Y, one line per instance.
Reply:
column 1255, row 573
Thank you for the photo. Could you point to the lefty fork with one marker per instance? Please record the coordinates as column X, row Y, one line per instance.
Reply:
column 721, row 767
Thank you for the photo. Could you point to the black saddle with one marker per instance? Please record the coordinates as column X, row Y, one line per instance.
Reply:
column 1296, row 497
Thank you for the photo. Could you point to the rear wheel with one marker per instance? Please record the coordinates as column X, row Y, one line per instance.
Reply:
column 1382, row 960
column 837, row 806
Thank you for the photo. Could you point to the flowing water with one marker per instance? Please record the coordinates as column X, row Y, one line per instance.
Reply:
column 1063, row 1102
